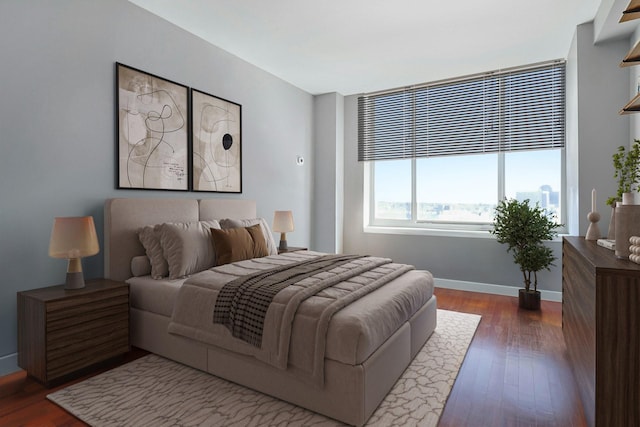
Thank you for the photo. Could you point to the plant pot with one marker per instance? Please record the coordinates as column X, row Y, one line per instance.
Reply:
column 529, row 300
column 611, row 234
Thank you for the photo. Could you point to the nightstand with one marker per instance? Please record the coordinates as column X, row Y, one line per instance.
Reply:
column 63, row 333
column 291, row 249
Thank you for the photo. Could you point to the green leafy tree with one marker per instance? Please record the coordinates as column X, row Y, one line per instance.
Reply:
column 523, row 229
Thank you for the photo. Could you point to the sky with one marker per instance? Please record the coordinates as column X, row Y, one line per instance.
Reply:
column 467, row 179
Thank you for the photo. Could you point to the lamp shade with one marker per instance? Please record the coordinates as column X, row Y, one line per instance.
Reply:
column 283, row 221
column 73, row 237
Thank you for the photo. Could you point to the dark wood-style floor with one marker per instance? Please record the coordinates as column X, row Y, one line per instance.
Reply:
column 515, row 374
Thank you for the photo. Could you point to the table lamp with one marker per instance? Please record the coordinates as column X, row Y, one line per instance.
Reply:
column 283, row 223
column 73, row 238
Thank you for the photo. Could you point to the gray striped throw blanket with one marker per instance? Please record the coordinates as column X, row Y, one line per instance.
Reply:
column 242, row 304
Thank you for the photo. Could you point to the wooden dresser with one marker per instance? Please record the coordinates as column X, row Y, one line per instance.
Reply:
column 62, row 332
column 601, row 327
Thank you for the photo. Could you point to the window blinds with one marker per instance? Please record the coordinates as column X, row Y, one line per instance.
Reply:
column 521, row 109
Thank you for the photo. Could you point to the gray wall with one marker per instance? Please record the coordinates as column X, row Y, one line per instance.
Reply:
column 328, row 181
column 597, row 89
column 57, row 135
column 602, row 90
column 634, row 86
column 57, row 129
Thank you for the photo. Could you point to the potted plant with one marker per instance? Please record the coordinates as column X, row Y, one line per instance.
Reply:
column 627, row 171
column 523, row 228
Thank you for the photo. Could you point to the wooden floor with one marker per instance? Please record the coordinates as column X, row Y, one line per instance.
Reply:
column 515, row 373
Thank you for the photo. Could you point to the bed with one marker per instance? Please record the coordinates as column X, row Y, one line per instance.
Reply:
column 367, row 348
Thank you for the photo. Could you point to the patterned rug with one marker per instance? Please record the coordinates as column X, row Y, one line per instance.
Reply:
column 153, row 391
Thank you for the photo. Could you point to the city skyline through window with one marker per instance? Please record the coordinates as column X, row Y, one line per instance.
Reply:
column 466, row 188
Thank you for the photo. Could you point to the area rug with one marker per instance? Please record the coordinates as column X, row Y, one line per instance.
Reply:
column 153, row 391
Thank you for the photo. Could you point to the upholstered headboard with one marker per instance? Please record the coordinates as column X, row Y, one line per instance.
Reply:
column 123, row 217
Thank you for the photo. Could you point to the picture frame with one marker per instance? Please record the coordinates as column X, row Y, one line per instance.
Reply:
column 152, row 137
column 216, row 149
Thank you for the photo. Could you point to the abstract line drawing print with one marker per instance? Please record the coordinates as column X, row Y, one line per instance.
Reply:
column 152, row 131
column 217, row 146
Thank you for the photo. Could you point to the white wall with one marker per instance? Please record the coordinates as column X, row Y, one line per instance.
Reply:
column 57, row 126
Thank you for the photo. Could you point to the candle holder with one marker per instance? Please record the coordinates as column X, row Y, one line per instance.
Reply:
column 593, row 232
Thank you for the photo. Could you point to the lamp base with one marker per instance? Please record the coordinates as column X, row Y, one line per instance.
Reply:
column 283, row 245
column 75, row 280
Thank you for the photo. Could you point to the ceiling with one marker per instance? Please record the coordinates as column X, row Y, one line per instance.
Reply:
column 355, row 46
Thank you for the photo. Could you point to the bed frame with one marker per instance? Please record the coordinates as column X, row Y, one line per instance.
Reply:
column 351, row 392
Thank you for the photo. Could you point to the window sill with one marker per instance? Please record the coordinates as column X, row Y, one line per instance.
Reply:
column 415, row 231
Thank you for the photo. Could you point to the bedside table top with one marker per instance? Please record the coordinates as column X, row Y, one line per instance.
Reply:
column 291, row 249
column 58, row 291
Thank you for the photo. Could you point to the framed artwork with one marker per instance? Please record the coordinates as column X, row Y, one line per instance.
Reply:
column 217, row 144
column 152, row 131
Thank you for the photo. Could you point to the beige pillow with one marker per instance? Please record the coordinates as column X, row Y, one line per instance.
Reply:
column 188, row 247
column 272, row 248
column 150, row 238
column 140, row 266
column 237, row 244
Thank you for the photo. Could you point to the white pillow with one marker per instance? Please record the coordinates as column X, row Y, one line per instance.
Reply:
column 150, row 238
column 188, row 247
column 268, row 235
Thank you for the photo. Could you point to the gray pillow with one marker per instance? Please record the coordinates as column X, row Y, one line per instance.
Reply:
column 188, row 247
column 150, row 238
column 140, row 266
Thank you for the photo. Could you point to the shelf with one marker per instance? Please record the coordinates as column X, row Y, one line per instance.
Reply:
column 631, row 12
column 633, row 57
column 632, row 106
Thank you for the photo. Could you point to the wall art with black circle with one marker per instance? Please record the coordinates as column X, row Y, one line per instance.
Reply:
column 216, row 144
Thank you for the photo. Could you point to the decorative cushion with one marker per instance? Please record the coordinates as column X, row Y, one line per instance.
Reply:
column 237, row 244
column 140, row 266
column 188, row 247
column 150, row 238
column 272, row 248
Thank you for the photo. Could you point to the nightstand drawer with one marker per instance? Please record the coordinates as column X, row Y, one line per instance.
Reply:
column 86, row 333
column 88, row 356
column 74, row 318
column 83, row 304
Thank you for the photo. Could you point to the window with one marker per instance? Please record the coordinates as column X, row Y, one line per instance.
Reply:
column 441, row 155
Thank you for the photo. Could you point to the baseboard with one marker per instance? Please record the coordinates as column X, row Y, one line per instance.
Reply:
column 9, row 364
column 488, row 288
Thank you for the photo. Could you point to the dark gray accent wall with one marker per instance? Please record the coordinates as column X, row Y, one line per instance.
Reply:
column 57, row 129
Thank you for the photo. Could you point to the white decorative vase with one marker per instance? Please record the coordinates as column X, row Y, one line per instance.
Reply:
column 628, row 198
column 627, row 225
